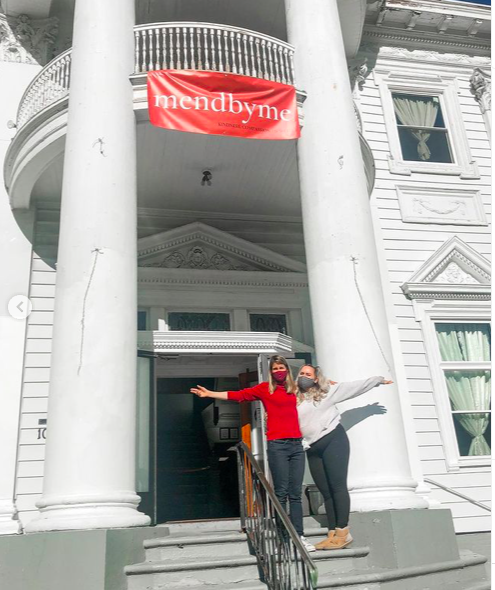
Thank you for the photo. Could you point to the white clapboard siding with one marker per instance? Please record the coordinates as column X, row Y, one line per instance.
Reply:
column 29, row 475
column 404, row 248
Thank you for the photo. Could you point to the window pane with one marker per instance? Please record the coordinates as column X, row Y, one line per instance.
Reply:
column 141, row 320
column 268, row 322
column 199, row 322
column 473, row 434
column 418, row 107
column 437, row 143
column 416, row 113
column 464, row 342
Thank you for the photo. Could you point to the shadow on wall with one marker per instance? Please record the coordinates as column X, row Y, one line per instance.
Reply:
column 354, row 416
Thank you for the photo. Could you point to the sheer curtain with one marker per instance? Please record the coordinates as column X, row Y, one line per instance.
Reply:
column 421, row 112
column 468, row 390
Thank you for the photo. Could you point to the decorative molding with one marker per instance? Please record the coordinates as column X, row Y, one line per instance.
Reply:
column 199, row 246
column 23, row 40
column 481, row 88
column 181, row 277
column 358, row 72
column 424, row 204
column 455, row 271
column 217, row 342
column 448, row 51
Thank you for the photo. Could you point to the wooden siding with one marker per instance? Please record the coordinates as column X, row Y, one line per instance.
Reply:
column 31, row 451
column 403, row 248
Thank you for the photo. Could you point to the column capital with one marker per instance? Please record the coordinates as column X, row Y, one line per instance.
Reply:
column 481, row 88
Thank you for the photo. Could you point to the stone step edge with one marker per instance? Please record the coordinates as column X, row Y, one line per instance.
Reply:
column 210, row 538
column 192, row 563
column 339, row 580
column 177, row 541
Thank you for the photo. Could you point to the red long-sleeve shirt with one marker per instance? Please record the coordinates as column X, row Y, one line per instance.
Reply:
column 280, row 406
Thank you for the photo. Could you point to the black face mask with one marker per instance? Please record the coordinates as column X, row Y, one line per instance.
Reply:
column 305, row 383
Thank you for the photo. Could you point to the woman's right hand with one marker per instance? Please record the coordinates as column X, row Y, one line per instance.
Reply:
column 201, row 391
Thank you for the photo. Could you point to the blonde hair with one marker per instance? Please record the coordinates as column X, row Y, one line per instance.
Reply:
column 290, row 384
column 318, row 392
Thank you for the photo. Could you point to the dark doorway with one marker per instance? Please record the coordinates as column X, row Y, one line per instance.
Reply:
column 196, row 479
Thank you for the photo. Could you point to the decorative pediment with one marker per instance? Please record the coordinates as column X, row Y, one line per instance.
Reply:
column 198, row 246
column 455, row 271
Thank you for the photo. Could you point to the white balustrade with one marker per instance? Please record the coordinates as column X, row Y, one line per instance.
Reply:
column 176, row 46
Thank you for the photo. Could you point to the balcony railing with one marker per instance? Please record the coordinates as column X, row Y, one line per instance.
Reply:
column 176, row 46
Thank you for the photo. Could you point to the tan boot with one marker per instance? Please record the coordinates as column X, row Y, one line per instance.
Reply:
column 324, row 544
column 341, row 539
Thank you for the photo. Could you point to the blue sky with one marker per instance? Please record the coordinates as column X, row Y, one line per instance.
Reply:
column 486, row 2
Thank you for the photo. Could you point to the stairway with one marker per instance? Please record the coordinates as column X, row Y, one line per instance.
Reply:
column 214, row 555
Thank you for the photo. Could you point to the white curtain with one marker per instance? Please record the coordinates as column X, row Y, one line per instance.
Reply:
column 468, row 390
column 421, row 112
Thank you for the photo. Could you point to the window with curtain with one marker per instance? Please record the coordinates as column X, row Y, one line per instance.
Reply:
column 465, row 361
column 422, row 132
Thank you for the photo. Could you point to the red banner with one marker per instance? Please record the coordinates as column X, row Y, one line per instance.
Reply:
column 222, row 104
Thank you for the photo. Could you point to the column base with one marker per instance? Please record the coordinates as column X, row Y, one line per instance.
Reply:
column 88, row 512
column 393, row 494
column 8, row 523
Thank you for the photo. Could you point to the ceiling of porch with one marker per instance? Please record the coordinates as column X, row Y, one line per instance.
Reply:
column 249, row 176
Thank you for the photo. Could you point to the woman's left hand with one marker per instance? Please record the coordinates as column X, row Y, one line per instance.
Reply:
column 387, row 382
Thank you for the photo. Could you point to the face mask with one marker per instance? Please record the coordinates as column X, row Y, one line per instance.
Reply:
column 279, row 376
column 305, row 383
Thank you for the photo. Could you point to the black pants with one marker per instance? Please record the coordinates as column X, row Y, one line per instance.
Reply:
column 328, row 460
column 286, row 458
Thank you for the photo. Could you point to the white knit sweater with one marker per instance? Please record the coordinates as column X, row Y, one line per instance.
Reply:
column 317, row 419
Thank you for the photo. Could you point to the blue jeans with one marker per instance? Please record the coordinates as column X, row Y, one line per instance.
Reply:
column 286, row 458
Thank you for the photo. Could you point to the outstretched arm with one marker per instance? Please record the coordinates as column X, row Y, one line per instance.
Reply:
column 201, row 391
column 351, row 389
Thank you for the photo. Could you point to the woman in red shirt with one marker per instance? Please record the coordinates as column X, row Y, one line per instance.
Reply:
column 286, row 455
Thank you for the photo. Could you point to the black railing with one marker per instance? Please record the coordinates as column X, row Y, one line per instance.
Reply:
column 284, row 561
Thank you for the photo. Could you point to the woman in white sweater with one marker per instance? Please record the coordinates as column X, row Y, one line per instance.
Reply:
column 328, row 452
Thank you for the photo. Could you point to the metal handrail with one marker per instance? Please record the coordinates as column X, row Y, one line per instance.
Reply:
column 456, row 493
column 285, row 563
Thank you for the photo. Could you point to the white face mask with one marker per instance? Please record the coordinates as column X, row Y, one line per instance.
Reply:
column 305, row 383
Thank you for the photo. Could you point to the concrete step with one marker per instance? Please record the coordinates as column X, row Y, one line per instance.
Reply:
column 191, row 571
column 462, row 574
column 201, row 546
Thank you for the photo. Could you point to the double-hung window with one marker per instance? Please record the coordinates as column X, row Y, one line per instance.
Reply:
column 424, row 123
column 423, row 134
column 465, row 363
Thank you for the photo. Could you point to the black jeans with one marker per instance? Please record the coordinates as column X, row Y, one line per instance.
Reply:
column 286, row 458
column 328, row 460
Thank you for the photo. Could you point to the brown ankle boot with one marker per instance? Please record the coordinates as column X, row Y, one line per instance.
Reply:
column 341, row 539
column 324, row 544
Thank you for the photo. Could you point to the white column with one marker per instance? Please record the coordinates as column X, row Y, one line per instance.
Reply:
column 90, row 454
column 339, row 242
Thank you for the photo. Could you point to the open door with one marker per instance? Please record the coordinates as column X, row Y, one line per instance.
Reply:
column 146, row 434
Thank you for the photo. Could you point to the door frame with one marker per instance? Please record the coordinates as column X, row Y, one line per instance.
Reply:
column 259, row 345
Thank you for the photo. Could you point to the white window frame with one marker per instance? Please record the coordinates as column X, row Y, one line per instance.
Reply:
column 429, row 313
column 445, row 88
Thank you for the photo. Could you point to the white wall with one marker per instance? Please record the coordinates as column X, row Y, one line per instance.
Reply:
column 404, row 247
column 15, row 254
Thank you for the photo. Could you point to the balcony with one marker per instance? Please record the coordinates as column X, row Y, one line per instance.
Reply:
column 42, row 114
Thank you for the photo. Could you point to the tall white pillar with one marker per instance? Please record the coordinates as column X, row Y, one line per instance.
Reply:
column 89, row 477
column 341, row 256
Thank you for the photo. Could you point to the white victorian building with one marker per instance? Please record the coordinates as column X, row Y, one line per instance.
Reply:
column 154, row 260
